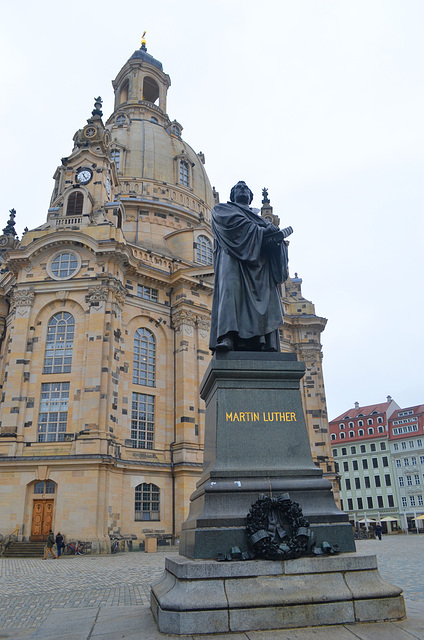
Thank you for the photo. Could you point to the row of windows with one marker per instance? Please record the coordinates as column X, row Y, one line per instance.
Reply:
column 409, row 482
column 360, row 433
column 409, row 429
column 406, row 461
column 367, row 482
column 351, row 425
column 362, row 449
column 53, row 415
column 411, row 444
column 412, row 502
column 374, row 462
column 369, row 503
column 60, row 342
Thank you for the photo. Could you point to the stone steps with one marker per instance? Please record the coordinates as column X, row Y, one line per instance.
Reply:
column 25, row 550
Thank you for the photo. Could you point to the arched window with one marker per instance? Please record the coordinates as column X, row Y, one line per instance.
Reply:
column 333, row 437
column 184, row 173
column 144, row 358
column 45, row 486
column 59, row 343
column 341, row 425
column 75, row 203
column 203, row 250
column 342, row 436
column 380, row 429
column 360, row 432
column 150, row 89
column 370, row 431
column 147, row 502
column 360, row 423
column 123, row 93
column 351, row 434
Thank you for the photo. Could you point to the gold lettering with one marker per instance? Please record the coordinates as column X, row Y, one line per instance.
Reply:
column 256, row 416
column 236, row 417
column 229, row 416
column 293, row 415
column 241, row 414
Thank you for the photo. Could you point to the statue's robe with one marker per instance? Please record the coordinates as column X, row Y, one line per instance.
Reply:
column 248, row 271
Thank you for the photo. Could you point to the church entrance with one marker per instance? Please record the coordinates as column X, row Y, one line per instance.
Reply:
column 42, row 518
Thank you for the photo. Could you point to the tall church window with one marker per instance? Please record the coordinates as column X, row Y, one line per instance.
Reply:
column 144, row 358
column 59, row 343
column 203, row 250
column 147, row 502
column 115, row 156
column 53, row 413
column 75, row 204
column 150, row 89
column 184, row 173
column 142, row 421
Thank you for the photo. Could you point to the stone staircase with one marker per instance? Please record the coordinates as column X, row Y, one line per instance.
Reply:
column 25, row 550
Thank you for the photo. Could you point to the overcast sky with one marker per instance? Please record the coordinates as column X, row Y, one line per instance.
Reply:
column 320, row 101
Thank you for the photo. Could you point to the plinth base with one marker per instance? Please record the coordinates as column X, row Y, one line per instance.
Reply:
column 206, row 596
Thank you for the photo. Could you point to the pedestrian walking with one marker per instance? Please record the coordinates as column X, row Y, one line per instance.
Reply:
column 59, row 544
column 49, row 547
column 378, row 530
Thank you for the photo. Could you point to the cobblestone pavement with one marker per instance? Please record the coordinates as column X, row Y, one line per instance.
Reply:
column 31, row 588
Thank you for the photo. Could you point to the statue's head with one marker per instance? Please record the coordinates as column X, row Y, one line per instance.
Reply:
column 241, row 192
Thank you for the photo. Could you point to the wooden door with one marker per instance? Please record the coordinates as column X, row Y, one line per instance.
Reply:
column 42, row 518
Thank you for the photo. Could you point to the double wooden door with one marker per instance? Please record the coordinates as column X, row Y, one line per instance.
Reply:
column 42, row 518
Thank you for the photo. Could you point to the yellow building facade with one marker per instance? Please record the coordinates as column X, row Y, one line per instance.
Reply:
column 105, row 314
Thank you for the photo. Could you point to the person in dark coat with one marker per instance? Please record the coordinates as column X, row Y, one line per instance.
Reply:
column 49, row 545
column 378, row 530
column 59, row 544
column 250, row 261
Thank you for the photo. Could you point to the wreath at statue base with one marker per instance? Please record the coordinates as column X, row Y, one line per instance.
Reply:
column 277, row 529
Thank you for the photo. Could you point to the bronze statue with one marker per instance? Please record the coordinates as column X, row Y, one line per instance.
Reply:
column 250, row 259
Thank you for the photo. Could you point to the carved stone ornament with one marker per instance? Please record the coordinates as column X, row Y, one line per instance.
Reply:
column 310, row 355
column 180, row 318
column 22, row 298
column 203, row 323
column 97, row 294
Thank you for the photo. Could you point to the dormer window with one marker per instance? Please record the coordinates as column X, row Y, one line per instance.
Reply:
column 115, row 156
column 184, row 173
column 203, row 250
column 176, row 130
column 120, row 120
column 154, row 120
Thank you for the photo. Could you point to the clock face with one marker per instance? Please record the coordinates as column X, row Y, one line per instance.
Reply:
column 84, row 176
column 90, row 132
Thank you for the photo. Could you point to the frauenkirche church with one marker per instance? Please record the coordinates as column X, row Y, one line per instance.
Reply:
column 104, row 321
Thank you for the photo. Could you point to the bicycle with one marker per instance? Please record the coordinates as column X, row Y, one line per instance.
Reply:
column 114, row 547
column 76, row 548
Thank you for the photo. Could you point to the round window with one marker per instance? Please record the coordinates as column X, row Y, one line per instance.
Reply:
column 64, row 265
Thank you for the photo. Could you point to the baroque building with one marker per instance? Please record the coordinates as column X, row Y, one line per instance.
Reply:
column 379, row 454
column 104, row 313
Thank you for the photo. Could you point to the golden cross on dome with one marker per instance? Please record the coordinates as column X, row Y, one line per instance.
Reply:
column 143, row 39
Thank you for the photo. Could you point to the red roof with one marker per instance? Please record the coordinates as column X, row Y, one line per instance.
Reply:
column 365, row 411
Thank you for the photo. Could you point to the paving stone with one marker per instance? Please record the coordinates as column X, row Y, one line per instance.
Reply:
column 37, row 594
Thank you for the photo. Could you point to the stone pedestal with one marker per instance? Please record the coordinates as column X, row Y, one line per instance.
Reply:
column 205, row 596
column 256, row 441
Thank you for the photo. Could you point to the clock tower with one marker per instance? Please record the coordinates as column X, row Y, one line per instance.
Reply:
column 86, row 181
